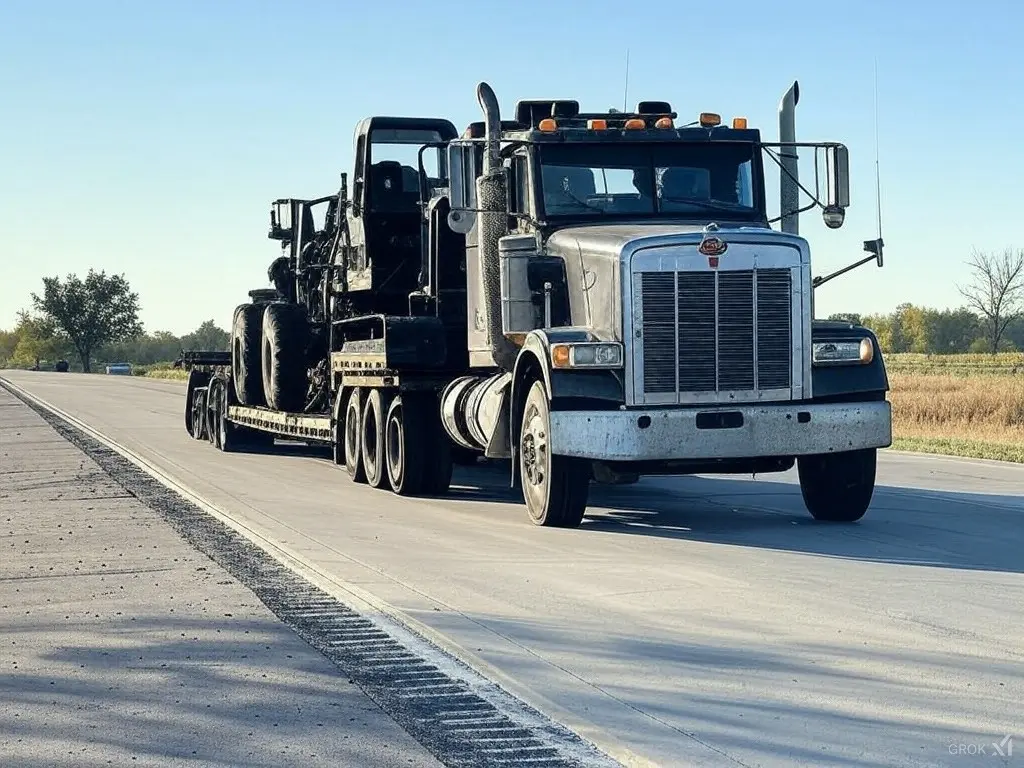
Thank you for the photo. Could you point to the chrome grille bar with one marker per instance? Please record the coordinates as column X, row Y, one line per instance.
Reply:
column 722, row 331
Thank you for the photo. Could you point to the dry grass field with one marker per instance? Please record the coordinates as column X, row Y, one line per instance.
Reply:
column 963, row 405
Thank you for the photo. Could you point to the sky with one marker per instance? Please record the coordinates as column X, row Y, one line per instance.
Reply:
column 149, row 138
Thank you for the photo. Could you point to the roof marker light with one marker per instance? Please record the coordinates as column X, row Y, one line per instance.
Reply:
column 597, row 124
column 739, row 123
column 664, row 122
column 710, row 119
column 547, row 125
column 635, row 124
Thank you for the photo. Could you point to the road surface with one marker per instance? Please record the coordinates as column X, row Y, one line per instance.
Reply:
column 690, row 621
column 124, row 646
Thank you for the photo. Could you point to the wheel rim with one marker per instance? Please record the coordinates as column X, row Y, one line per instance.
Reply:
column 268, row 363
column 222, row 421
column 533, row 452
column 393, row 445
column 197, row 418
column 370, row 456
column 351, row 436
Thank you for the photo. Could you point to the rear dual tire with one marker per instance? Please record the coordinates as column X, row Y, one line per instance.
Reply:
column 393, row 440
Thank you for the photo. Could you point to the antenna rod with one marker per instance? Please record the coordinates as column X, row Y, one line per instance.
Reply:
column 878, row 177
column 625, row 90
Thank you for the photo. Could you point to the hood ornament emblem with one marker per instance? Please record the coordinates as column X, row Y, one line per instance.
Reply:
column 712, row 245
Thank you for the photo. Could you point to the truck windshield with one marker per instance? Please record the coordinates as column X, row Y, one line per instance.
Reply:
column 654, row 179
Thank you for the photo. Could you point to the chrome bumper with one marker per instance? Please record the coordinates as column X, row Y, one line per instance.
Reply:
column 766, row 430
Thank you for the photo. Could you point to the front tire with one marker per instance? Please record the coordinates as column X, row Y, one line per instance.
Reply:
column 837, row 487
column 555, row 488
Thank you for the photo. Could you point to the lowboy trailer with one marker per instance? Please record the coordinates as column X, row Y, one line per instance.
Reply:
column 594, row 296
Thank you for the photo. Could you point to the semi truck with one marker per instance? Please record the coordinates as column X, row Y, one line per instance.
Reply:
column 590, row 296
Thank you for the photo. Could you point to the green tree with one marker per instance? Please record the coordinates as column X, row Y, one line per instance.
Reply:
column 8, row 343
column 207, row 337
column 90, row 313
column 953, row 330
column 35, row 341
column 881, row 326
column 847, row 317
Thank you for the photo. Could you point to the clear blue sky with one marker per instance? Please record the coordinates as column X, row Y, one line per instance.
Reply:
column 149, row 138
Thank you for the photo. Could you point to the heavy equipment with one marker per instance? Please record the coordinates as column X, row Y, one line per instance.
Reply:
column 590, row 295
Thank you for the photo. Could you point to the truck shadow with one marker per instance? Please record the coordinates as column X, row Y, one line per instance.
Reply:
column 907, row 526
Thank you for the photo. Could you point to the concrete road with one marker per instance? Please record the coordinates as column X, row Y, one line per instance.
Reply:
column 690, row 621
column 124, row 646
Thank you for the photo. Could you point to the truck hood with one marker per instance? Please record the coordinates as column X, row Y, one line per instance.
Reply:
column 611, row 239
column 595, row 257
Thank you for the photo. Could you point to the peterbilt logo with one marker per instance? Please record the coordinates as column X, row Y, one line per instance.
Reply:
column 712, row 247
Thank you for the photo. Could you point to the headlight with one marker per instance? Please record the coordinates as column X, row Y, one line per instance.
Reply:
column 587, row 355
column 843, row 352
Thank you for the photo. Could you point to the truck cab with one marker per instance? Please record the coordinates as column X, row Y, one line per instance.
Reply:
column 627, row 286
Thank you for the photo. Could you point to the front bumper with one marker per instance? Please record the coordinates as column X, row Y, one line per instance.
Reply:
column 698, row 433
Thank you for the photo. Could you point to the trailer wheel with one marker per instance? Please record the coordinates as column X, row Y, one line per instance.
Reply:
column 246, row 336
column 406, row 444
column 555, row 488
column 372, row 442
column 198, row 416
column 351, row 437
column 285, row 375
column 196, row 379
column 837, row 487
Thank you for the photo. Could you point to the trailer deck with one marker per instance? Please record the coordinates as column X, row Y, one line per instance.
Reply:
column 300, row 426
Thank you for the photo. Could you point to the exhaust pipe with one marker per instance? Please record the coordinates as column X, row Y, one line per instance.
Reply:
column 492, row 127
column 789, row 192
column 492, row 194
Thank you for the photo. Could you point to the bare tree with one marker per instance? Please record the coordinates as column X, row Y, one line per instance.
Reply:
column 996, row 291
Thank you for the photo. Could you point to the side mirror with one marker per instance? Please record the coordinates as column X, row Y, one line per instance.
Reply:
column 280, row 222
column 837, row 179
column 461, row 187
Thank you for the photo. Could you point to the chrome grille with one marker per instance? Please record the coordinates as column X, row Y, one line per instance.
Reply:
column 716, row 331
column 774, row 328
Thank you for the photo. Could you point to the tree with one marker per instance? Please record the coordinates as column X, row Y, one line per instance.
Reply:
column 208, row 337
column 846, row 317
column 35, row 340
column 996, row 291
column 90, row 313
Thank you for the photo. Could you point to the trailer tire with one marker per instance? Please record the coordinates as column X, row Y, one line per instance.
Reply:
column 837, row 487
column 196, row 379
column 555, row 488
column 285, row 374
column 246, row 371
column 350, row 437
column 406, row 443
column 372, row 439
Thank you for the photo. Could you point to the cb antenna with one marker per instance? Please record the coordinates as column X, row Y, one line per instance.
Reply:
column 625, row 89
column 875, row 246
column 878, row 177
